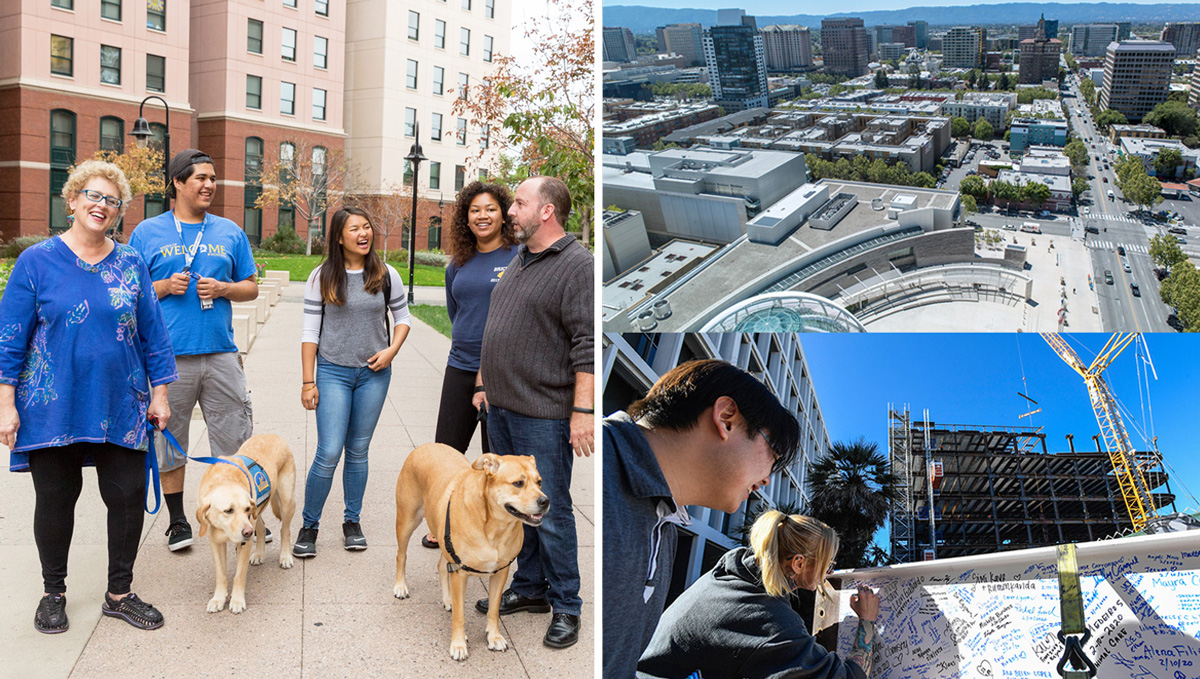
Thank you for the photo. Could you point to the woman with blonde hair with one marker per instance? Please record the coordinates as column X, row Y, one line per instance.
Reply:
column 737, row 620
column 85, row 359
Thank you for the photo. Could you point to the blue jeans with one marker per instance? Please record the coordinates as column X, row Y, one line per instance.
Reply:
column 349, row 401
column 548, row 564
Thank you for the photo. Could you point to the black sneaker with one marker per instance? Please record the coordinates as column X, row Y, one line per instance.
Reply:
column 133, row 611
column 51, row 616
column 179, row 535
column 355, row 540
column 306, row 543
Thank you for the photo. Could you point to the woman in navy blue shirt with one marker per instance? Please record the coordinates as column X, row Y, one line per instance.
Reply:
column 481, row 246
column 84, row 360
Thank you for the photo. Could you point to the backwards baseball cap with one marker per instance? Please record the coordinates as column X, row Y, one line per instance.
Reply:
column 181, row 165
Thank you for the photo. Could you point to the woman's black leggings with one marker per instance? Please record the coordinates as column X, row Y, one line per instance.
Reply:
column 58, row 479
column 456, row 416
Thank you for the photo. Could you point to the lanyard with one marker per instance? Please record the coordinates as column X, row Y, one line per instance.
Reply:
column 189, row 255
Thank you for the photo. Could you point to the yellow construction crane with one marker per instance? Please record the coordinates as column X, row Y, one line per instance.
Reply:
column 1134, row 489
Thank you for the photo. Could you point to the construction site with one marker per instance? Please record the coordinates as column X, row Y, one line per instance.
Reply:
column 977, row 489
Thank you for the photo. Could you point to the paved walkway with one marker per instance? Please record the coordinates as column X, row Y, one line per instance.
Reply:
column 330, row 616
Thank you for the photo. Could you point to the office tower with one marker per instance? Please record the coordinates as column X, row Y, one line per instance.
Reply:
column 1137, row 76
column 962, row 47
column 1184, row 36
column 618, row 44
column 1091, row 40
column 845, row 44
column 686, row 40
column 1039, row 58
column 737, row 67
column 921, row 33
column 787, row 47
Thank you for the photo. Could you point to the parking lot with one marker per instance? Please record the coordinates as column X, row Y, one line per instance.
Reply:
column 993, row 151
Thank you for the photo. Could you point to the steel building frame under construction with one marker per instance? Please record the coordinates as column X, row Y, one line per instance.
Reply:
column 997, row 488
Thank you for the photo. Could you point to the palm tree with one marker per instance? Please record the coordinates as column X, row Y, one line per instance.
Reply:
column 851, row 487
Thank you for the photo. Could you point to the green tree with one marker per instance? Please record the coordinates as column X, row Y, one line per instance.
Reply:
column 1077, row 152
column 1002, row 83
column 1181, row 290
column 971, row 76
column 1088, row 88
column 1109, row 117
column 959, row 127
column 969, row 204
column 1006, row 191
column 915, row 81
column 1143, row 190
column 1165, row 251
column 983, row 130
column 851, row 489
column 973, row 185
column 1078, row 186
column 1035, row 193
column 881, row 80
column 1176, row 117
column 1166, row 162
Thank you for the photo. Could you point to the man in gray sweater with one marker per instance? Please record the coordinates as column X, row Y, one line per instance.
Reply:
column 708, row 433
column 536, row 379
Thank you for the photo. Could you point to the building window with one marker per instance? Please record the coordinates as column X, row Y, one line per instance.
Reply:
column 435, row 175
column 464, row 42
column 320, row 52
column 464, row 84
column 110, row 9
column 254, row 159
column 156, row 73
column 411, row 77
column 466, row 4
column 487, row 48
column 460, row 177
column 408, row 174
column 414, row 25
column 156, row 15
column 318, row 104
column 435, row 132
column 435, row 228
column 323, row 7
column 288, row 44
column 318, row 160
column 110, row 65
column 62, row 156
column 439, row 74
column 287, row 154
column 287, row 98
column 112, row 134
column 289, row 3
column 439, row 34
column 158, row 136
column 63, row 4
column 62, row 55
column 461, row 137
column 489, row 9
column 485, row 138
column 251, row 213
column 254, row 36
column 410, row 122
column 253, row 92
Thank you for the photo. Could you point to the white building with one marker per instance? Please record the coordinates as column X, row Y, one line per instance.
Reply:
column 787, row 47
column 962, row 47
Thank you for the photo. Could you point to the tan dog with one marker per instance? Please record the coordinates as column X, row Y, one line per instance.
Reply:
column 227, row 508
column 488, row 503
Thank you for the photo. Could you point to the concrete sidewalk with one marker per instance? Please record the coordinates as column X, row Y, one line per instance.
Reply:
column 330, row 616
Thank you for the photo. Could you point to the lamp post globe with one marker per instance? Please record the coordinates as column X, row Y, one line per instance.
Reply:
column 141, row 133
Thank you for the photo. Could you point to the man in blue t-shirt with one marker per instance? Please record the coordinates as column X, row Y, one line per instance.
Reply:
column 200, row 263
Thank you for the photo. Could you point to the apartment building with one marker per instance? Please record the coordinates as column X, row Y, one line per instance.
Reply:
column 963, row 47
column 69, row 89
column 991, row 106
column 1137, row 76
column 1185, row 36
column 737, row 63
column 787, row 47
column 397, row 83
column 682, row 39
column 1039, row 61
column 845, row 45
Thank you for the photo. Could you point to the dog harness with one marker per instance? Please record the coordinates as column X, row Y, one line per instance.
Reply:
column 449, row 545
column 260, row 483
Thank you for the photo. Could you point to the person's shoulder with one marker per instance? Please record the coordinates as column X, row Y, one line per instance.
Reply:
column 147, row 226
column 38, row 252
column 316, row 273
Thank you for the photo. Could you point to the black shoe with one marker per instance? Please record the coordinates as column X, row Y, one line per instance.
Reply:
column 269, row 538
column 306, row 543
column 355, row 540
column 179, row 535
column 51, row 616
column 511, row 602
column 563, row 631
column 133, row 611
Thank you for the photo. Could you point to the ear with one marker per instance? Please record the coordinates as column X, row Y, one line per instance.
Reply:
column 202, row 517
column 725, row 416
column 489, row 462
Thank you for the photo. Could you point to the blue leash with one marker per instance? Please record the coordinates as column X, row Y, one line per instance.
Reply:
column 173, row 443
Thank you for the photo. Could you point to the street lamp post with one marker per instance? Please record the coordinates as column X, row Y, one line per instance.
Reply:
column 141, row 132
column 415, row 157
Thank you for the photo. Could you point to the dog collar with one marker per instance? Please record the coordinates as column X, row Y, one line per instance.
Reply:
column 260, row 483
column 449, row 545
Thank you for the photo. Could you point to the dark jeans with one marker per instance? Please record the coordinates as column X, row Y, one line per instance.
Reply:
column 548, row 564
column 456, row 416
column 57, row 481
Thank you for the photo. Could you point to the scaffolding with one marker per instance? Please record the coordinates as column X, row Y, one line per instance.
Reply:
column 970, row 489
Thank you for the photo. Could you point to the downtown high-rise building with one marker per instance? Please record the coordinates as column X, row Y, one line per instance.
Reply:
column 736, row 58
column 920, row 33
column 618, row 44
column 845, row 46
column 1039, row 55
column 1137, row 77
column 787, row 47
column 1091, row 40
column 1185, row 36
column 963, row 47
column 686, row 40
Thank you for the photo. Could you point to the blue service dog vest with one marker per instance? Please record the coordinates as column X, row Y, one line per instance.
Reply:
column 260, row 483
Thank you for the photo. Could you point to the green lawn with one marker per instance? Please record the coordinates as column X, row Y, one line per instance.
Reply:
column 434, row 315
column 301, row 266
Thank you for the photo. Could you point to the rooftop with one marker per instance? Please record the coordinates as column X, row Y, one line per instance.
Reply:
column 629, row 288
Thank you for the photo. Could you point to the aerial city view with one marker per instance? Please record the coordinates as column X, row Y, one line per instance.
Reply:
column 997, row 168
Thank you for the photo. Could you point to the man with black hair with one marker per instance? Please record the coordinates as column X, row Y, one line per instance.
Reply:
column 200, row 264
column 706, row 434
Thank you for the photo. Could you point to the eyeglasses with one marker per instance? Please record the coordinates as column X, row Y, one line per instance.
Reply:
column 96, row 197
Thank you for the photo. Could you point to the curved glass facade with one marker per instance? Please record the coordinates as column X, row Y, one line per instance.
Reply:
column 785, row 312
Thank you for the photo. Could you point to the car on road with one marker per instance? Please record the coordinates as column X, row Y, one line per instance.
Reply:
column 1174, row 323
column 1108, row 277
column 1010, row 227
column 1177, row 229
column 1126, row 267
column 1106, row 181
column 1091, row 229
column 1121, row 250
column 1133, row 287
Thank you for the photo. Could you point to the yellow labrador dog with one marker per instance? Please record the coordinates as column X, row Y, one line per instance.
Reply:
column 231, row 500
column 484, row 504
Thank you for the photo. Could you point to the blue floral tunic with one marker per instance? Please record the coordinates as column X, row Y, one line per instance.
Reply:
column 83, row 344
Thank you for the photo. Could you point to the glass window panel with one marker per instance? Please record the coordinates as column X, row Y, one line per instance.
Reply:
column 289, row 3
column 110, row 65
column 464, row 42
column 62, row 55
column 318, row 104
column 62, row 135
column 411, row 77
column 287, row 98
column 439, row 74
column 288, row 44
column 156, row 14
column 323, row 7
column 487, row 48
column 320, row 52
column 489, row 9
column 110, row 9
column 460, row 177
column 408, row 174
column 156, row 73
column 439, row 34
column 63, row 4
column 466, row 4
column 435, row 175
column 462, row 132
column 254, row 36
column 410, row 121
column 464, row 83
column 253, row 92
column 254, row 158
column 414, row 25
column 112, row 134
column 435, row 131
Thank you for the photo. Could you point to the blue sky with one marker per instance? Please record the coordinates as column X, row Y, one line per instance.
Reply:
column 974, row 379
column 776, row 7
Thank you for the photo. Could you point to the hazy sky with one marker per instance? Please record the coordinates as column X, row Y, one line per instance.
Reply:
column 777, row 8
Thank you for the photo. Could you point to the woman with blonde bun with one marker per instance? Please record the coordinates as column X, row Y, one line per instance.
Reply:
column 737, row 620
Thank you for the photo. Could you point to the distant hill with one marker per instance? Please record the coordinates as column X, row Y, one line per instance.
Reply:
column 645, row 19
